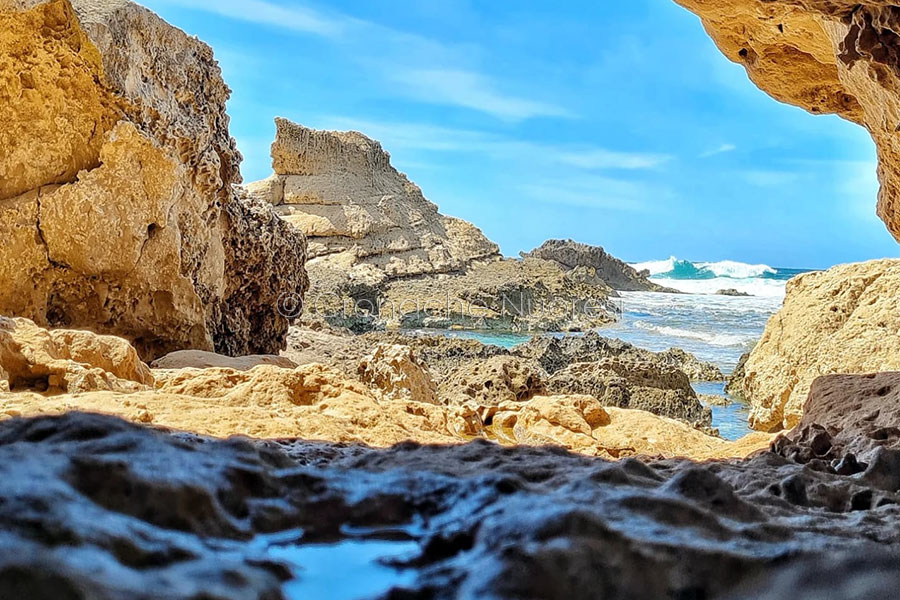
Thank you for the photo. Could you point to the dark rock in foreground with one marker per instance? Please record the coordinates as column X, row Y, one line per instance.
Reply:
column 92, row 507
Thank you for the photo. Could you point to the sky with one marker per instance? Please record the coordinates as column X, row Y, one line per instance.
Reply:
column 616, row 124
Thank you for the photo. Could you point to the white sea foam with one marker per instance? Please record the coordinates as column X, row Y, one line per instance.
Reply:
column 767, row 288
column 656, row 267
column 714, row 339
column 736, row 270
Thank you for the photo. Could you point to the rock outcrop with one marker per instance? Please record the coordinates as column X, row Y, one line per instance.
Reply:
column 556, row 353
column 357, row 210
column 116, row 169
column 390, row 398
column 844, row 320
column 616, row 273
column 642, row 385
column 66, row 361
column 849, row 422
column 395, row 372
column 493, row 381
column 95, row 507
column 826, row 56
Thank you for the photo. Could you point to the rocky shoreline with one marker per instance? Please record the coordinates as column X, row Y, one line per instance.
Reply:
column 195, row 373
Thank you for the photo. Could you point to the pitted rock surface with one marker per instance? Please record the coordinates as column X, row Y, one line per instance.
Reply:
column 95, row 507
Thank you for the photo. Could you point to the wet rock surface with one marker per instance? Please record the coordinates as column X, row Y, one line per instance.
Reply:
column 94, row 507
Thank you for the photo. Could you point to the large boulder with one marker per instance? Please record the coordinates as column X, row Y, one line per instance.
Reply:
column 623, row 382
column 66, row 361
column 340, row 189
column 117, row 207
column 844, row 320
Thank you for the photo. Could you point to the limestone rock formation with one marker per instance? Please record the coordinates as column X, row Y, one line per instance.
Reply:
column 116, row 169
column 849, row 425
column 826, row 56
column 96, row 507
column 357, row 210
column 643, row 385
column 395, row 371
column 615, row 273
column 844, row 320
column 556, row 353
column 32, row 358
column 507, row 294
column 493, row 381
column 390, row 400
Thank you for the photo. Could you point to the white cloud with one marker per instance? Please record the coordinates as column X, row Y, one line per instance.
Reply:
column 763, row 178
column 416, row 67
column 599, row 159
column 595, row 192
column 723, row 149
column 296, row 18
column 434, row 138
column 472, row 90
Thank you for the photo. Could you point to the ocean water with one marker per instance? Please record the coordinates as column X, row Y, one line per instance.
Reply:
column 717, row 329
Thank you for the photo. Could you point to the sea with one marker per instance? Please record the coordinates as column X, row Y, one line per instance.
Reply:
column 715, row 328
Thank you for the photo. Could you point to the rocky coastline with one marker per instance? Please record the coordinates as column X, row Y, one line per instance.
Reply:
column 186, row 398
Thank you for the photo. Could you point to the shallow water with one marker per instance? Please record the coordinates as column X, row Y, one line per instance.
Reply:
column 347, row 570
column 732, row 421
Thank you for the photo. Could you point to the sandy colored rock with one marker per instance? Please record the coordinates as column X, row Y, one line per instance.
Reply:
column 844, row 320
column 66, row 360
column 493, row 381
column 583, row 425
column 116, row 171
column 340, row 189
column 396, row 372
column 826, row 56
column 53, row 372
column 198, row 359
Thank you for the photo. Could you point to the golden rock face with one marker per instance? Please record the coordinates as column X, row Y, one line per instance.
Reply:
column 828, row 57
column 844, row 320
column 117, row 211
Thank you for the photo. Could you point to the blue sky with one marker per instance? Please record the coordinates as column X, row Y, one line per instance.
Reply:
column 616, row 124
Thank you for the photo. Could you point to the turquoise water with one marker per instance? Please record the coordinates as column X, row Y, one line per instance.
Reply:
column 347, row 570
column 732, row 420
column 717, row 329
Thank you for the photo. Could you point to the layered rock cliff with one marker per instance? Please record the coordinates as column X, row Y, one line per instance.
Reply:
column 116, row 171
column 844, row 320
column 357, row 210
column 826, row 56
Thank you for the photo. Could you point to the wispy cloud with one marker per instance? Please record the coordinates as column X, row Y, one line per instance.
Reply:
column 605, row 193
column 723, row 149
column 434, row 138
column 296, row 18
column 417, row 67
column 600, row 159
column 764, row 178
column 472, row 90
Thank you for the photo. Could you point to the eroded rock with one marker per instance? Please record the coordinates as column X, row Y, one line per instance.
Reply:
column 116, row 203
column 487, row 521
column 70, row 361
column 844, row 320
